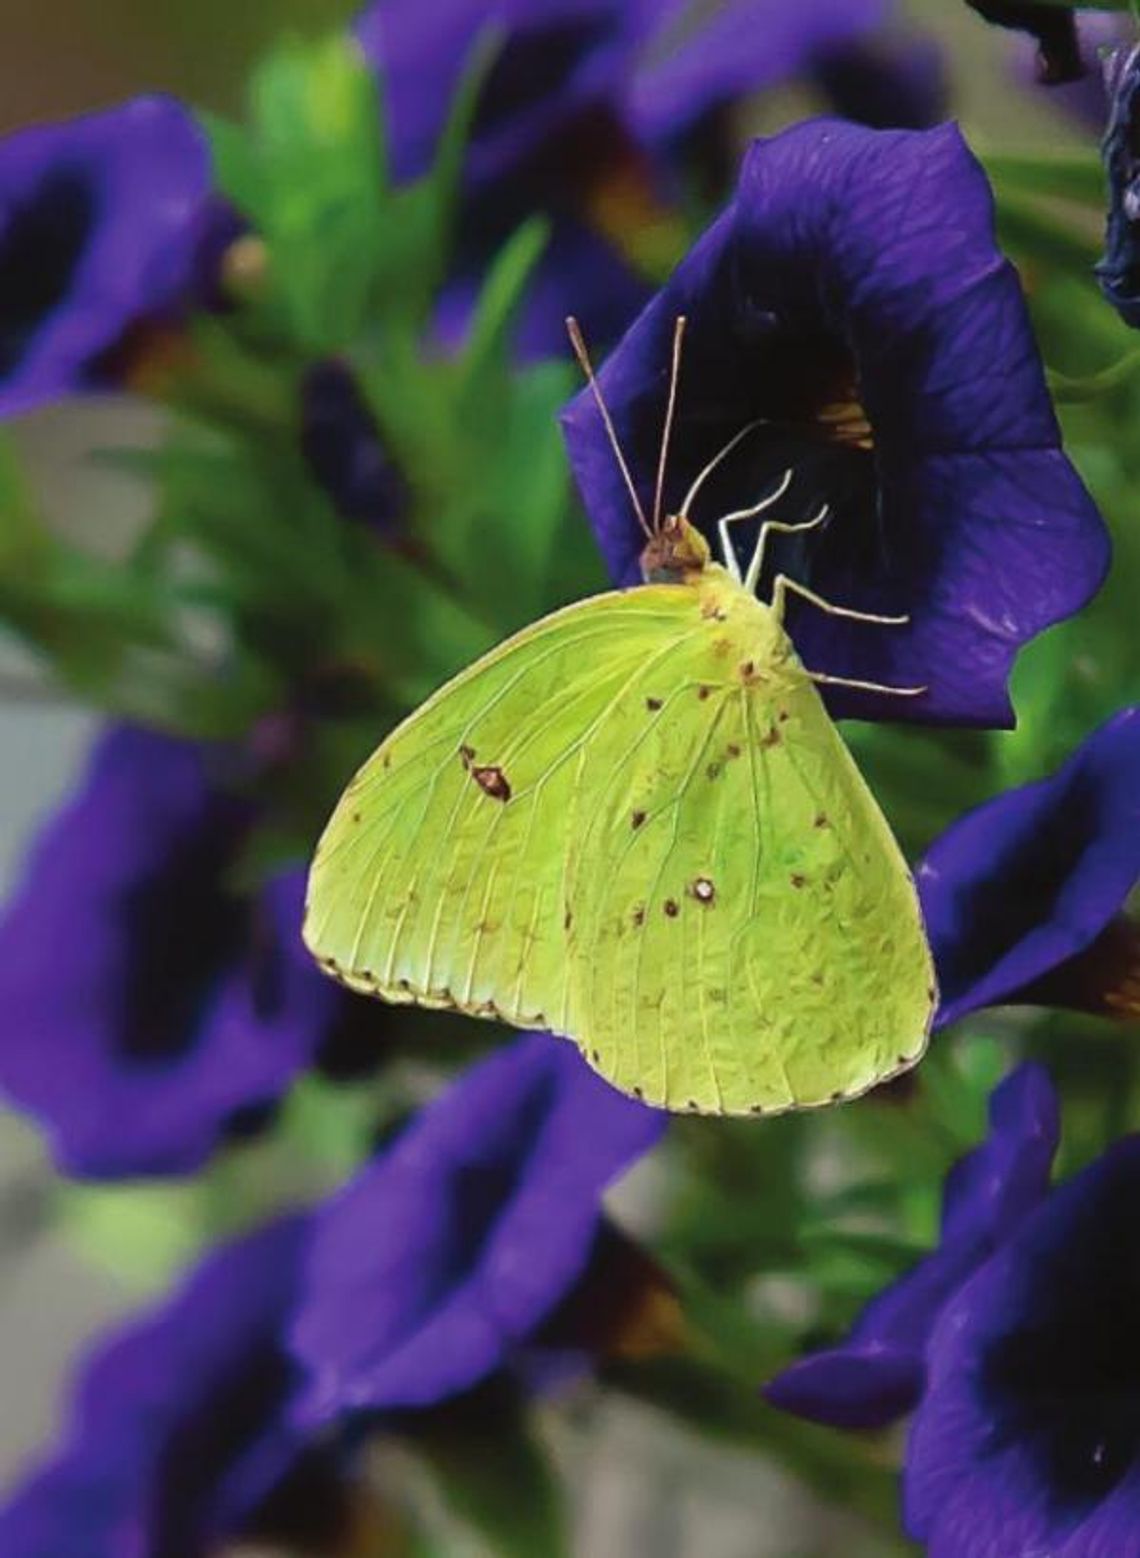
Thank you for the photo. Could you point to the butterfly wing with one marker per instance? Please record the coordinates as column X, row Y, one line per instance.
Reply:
column 754, row 943
column 442, row 877
column 634, row 823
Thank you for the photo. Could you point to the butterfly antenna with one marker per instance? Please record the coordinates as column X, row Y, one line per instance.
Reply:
column 667, row 430
column 583, row 356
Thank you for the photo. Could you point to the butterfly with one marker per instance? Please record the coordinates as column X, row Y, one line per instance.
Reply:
column 634, row 824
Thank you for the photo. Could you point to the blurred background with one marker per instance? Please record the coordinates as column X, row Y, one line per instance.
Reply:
column 65, row 56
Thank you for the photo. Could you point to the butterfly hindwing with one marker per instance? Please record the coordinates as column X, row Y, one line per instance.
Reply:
column 754, row 943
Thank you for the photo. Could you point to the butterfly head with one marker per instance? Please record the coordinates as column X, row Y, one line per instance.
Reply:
column 675, row 553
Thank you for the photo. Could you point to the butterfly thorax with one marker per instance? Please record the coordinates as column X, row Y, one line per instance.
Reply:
column 679, row 555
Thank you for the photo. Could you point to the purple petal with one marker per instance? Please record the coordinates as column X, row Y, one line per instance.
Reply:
column 857, row 269
column 342, row 446
column 744, row 47
column 877, row 1374
column 1029, row 1425
column 850, row 1387
column 177, row 1427
column 890, row 81
column 100, row 220
column 579, row 273
column 559, row 62
column 456, row 1243
column 148, row 1005
column 1029, row 879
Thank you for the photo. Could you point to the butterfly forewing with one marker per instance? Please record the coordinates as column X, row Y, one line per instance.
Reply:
column 442, row 876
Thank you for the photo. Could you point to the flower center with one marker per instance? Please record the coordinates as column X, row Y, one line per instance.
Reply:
column 41, row 246
column 185, row 930
column 1065, row 1381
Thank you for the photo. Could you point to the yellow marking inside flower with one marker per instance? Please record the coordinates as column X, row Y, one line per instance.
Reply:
column 845, row 422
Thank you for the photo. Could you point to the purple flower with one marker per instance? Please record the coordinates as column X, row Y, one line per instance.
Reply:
column 178, row 1429
column 149, row 1005
column 578, row 271
column 1100, row 35
column 590, row 112
column 100, row 218
column 1119, row 270
column 877, row 1374
column 342, row 446
column 558, row 63
column 888, row 81
column 1027, row 1437
column 1055, row 30
column 688, row 73
column 441, row 1262
column 851, row 310
column 1021, row 896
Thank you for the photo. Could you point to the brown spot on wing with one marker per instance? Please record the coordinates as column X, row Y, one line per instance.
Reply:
column 797, row 880
column 653, row 704
column 492, row 781
column 637, row 819
column 671, row 908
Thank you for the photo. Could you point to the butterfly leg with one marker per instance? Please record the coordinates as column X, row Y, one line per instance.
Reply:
column 783, row 584
column 731, row 561
column 755, row 567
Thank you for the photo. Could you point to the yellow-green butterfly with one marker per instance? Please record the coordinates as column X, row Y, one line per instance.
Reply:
column 634, row 823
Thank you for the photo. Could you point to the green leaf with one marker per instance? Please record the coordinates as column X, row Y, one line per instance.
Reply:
column 309, row 174
column 494, row 1474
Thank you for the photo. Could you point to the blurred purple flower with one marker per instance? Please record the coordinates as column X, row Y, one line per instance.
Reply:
column 440, row 1263
column 689, row 70
column 150, row 1006
column 1053, row 28
column 888, row 81
column 556, row 64
column 178, row 1431
column 591, row 110
column 1021, row 896
column 342, row 446
column 1119, row 270
column 878, row 1373
column 1027, row 1437
column 1100, row 35
column 579, row 272
column 852, row 310
column 100, row 222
